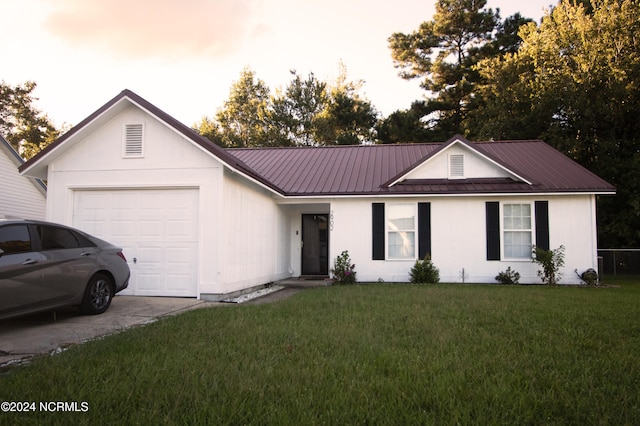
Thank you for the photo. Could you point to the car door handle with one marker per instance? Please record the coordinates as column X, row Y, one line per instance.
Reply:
column 30, row 262
column 86, row 253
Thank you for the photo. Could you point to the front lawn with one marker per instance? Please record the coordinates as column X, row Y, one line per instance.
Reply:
column 363, row 354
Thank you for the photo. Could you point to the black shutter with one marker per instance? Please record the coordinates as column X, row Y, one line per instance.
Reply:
column 493, row 230
column 377, row 210
column 542, row 224
column 424, row 230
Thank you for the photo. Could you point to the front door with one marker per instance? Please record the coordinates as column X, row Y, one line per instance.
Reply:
column 315, row 244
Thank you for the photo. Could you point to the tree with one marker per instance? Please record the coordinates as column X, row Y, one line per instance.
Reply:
column 506, row 38
column 442, row 52
column 25, row 127
column 242, row 121
column 575, row 82
column 306, row 113
column 295, row 110
column 404, row 126
column 210, row 129
column 347, row 118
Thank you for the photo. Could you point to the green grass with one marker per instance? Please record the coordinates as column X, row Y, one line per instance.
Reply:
column 364, row 354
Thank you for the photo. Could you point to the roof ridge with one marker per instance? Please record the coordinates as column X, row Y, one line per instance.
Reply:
column 509, row 141
column 359, row 146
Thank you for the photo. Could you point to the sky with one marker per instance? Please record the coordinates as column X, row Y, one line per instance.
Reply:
column 184, row 55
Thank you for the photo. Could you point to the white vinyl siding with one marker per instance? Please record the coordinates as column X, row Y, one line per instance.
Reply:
column 133, row 141
column 20, row 196
column 517, row 231
column 401, row 231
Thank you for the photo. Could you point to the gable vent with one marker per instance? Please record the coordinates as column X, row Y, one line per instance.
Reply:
column 133, row 138
column 456, row 166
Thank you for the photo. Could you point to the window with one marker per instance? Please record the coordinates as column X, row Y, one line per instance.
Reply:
column 15, row 239
column 53, row 238
column 516, row 226
column 401, row 231
column 133, row 138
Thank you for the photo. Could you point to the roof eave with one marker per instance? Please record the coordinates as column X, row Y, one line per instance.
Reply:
column 448, row 193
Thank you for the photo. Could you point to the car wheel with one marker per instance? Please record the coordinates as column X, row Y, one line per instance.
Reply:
column 98, row 295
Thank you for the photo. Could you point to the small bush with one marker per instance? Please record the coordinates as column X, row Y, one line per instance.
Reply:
column 343, row 270
column 508, row 277
column 551, row 262
column 424, row 272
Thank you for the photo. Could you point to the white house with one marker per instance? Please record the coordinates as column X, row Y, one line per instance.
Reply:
column 20, row 196
column 197, row 220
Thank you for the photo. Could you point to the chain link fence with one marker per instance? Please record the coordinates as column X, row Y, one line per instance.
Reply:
column 619, row 261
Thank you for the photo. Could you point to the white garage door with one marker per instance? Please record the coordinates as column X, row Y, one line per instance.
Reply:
column 157, row 229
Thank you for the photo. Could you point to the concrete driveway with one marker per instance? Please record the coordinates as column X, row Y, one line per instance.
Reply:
column 45, row 333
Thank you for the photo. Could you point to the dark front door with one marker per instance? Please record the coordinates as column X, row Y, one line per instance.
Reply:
column 315, row 244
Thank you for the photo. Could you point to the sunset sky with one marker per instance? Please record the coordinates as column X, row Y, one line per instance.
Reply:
column 183, row 56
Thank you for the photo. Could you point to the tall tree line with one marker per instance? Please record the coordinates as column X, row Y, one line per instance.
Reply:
column 572, row 80
column 307, row 112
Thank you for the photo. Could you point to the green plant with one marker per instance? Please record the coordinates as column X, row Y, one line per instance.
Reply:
column 508, row 277
column 343, row 270
column 424, row 271
column 551, row 262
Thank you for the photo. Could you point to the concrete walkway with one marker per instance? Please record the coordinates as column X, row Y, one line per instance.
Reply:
column 290, row 286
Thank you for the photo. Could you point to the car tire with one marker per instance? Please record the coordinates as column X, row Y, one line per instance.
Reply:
column 98, row 295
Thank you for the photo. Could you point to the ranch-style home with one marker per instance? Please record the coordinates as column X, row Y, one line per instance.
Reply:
column 197, row 220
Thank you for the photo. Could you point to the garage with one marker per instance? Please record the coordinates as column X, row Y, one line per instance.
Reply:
column 157, row 229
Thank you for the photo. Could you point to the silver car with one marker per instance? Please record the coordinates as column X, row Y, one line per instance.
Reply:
column 44, row 266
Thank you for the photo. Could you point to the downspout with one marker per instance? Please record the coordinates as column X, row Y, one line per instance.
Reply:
column 594, row 235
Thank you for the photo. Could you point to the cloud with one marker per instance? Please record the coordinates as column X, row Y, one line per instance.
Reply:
column 167, row 28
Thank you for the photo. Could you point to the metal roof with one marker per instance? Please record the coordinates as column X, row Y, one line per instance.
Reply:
column 369, row 169
column 361, row 169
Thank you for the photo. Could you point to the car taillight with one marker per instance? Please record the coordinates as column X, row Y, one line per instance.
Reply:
column 121, row 254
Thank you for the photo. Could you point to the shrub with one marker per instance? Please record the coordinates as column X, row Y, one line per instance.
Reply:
column 424, row 271
column 551, row 262
column 343, row 270
column 508, row 277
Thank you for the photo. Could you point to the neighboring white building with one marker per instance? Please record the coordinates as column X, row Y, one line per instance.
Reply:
column 197, row 220
column 20, row 196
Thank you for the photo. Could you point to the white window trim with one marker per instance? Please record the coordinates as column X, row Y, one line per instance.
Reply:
column 387, row 231
column 125, row 154
column 502, row 230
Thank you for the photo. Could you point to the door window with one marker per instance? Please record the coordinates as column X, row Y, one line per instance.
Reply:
column 15, row 239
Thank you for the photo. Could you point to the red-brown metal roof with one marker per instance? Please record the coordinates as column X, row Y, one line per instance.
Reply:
column 372, row 169
column 368, row 169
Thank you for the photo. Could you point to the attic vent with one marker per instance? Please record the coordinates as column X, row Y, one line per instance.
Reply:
column 133, row 137
column 456, row 166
